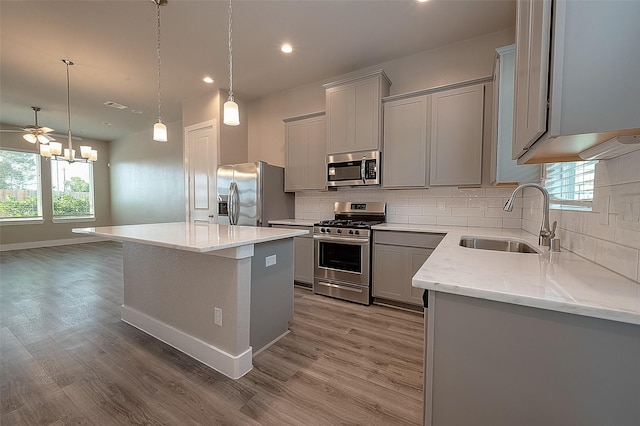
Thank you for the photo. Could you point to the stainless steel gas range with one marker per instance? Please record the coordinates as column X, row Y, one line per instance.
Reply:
column 342, row 251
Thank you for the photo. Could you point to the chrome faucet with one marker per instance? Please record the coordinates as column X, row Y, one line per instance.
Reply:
column 546, row 234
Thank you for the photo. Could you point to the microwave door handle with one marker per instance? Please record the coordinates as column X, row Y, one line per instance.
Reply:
column 363, row 169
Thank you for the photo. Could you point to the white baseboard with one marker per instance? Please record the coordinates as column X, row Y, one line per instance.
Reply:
column 233, row 366
column 50, row 243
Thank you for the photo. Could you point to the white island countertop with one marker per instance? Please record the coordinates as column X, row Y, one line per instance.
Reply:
column 563, row 282
column 196, row 237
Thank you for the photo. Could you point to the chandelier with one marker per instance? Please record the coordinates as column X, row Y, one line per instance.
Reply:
column 54, row 150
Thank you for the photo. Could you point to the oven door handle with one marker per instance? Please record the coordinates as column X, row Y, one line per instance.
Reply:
column 354, row 241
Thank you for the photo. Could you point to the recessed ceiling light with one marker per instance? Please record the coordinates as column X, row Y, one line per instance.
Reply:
column 208, row 80
column 422, row 1
column 115, row 105
column 286, row 48
column 136, row 111
column 107, row 123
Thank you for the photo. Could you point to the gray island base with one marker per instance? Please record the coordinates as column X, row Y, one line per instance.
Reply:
column 218, row 293
column 495, row 363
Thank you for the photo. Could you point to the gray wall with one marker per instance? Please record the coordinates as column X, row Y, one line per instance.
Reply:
column 454, row 63
column 147, row 178
column 49, row 231
column 232, row 140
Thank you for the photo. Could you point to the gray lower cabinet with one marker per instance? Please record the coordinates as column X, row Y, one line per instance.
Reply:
column 302, row 254
column 501, row 364
column 397, row 256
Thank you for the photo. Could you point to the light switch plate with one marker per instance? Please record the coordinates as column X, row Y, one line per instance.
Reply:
column 270, row 260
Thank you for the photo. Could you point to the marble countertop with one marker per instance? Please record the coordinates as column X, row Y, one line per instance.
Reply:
column 293, row 222
column 197, row 237
column 563, row 282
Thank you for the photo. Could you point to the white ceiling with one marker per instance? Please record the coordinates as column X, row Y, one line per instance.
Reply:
column 113, row 45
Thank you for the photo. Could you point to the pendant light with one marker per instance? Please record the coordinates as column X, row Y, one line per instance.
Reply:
column 159, row 129
column 87, row 154
column 231, row 114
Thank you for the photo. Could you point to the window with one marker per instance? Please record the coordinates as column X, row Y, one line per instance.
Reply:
column 72, row 189
column 20, row 186
column 570, row 185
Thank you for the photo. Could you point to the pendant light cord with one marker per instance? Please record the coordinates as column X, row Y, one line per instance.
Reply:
column 230, row 56
column 159, row 63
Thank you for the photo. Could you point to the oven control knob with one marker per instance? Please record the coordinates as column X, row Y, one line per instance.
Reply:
column 351, row 231
column 321, row 229
column 328, row 230
column 339, row 231
column 357, row 232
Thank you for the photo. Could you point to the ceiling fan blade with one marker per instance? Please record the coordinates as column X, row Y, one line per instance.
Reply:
column 60, row 135
column 50, row 138
column 46, row 129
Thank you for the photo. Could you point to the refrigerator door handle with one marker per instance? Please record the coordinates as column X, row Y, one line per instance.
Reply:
column 234, row 203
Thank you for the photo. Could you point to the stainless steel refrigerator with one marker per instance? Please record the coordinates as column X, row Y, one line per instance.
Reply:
column 252, row 194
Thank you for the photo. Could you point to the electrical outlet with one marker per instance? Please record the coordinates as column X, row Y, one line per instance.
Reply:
column 217, row 316
column 270, row 260
column 442, row 205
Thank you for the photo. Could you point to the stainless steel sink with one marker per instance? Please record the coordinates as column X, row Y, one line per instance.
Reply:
column 497, row 245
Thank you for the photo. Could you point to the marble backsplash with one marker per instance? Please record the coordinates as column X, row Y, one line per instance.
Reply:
column 610, row 234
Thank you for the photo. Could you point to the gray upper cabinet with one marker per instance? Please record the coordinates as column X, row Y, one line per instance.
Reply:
column 354, row 111
column 504, row 169
column 576, row 81
column 406, row 143
column 533, row 22
column 456, row 130
column 305, row 142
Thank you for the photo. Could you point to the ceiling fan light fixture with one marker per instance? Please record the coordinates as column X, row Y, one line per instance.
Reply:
column 93, row 155
column 42, row 139
column 30, row 137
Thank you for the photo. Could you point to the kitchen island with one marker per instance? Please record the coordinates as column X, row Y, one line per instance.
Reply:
column 526, row 339
column 219, row 293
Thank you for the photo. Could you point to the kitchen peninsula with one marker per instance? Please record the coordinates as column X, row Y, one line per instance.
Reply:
column 526, row 338
column 219, row 293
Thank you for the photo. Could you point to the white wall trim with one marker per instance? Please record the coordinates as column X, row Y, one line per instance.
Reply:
column 50, row 243
column 233, row 366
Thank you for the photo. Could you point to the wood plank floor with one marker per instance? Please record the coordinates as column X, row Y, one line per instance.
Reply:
column 66, row 358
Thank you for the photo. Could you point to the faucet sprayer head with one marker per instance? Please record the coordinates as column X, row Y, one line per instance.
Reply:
column 508, row 206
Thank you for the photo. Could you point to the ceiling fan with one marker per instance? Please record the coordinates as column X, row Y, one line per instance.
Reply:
column 33, row 132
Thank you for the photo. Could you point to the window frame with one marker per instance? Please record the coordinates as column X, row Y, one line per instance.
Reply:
column 31, row 220
column 72, row 218
column 567, row 173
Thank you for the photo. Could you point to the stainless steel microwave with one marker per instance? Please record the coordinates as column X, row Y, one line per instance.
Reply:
column 357, row 168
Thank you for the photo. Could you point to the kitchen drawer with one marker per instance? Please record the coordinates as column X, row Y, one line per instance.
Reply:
column 408, row 239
